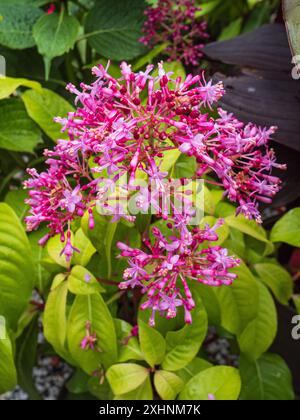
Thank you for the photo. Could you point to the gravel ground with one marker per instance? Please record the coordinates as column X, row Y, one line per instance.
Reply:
column 49, row 376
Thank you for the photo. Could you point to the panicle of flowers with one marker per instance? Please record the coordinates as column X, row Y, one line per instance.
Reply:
column 176, row 23
column 162, row 270
column 124, row 127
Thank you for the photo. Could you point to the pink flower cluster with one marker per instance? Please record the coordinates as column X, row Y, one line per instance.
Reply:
column 124, row 127
column 176, row 23
column 162, row 270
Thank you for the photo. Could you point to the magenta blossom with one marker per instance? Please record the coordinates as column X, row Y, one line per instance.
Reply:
column 124, row 127
column 162, row 271
column 176, row 24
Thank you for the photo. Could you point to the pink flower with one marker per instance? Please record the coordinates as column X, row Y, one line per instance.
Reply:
column 124, row 127
column 176, row 24
column 162, row 273
column 90, row 339
column 51, row 9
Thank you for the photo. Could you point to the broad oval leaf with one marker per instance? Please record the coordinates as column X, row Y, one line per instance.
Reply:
column 55, row 34
column 86, row 248
column 126, row 377
column 129, row 347
column 82, row 282
column 195, row 366
column 17, row 131
column 55, row 317
column 220, row 382
column 183, row 345
column 265, row 379
column 167, row 384
column 16, row 25
column 113, row 29
column 93, row 309
column 153, row 344
column 55, row 248
column 17, row 274
column 26, row 354
column 287, row 229
column 8, row 374
column 143, row 392
column 278, row 280
column 16, row 200
column 249, row 227
column 43, row 106
column 260, row 333
column 238, row 302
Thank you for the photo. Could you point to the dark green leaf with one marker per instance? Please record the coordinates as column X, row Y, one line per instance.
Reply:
column 268, row 378
column 43, row 106
column 287, row 229
column 26, row 358
column 17, row 131
column 260, row 333
column 113, row 29
column 277, row 279
column 16, row 23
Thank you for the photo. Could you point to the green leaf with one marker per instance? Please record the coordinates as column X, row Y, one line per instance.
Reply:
column 78, row 384
column 92, row 308
column 101, row 236
column 82, row 282
column 43, row 106
column 183, row 345
column 43, row 276
column 207, row 8
column 129, row 349
column 232, row 30
column 113, row 29
column 195, row 366
column 153, row 344
column 8, row 85
column 17, row 131
column 239, row 302
column 8, row 374
column 222, row 231
column 167, row 384
column 268, row 378
column 55, row 247
column 86, row 248
column 260, row 333
column 249, row 227
column 150, row 56
column 16, row 25
column 277, row 279
column 17, row 275
column 211, row 303
column 16, row 200
column 55, row 318
column 26, row 358
column 209, row 204
column 296, row 299
column 126, row 377
column 55, row 34
column 143, row 392
column 287, row 229
column 222, row 382
column 291, row 9
column 99, row 233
